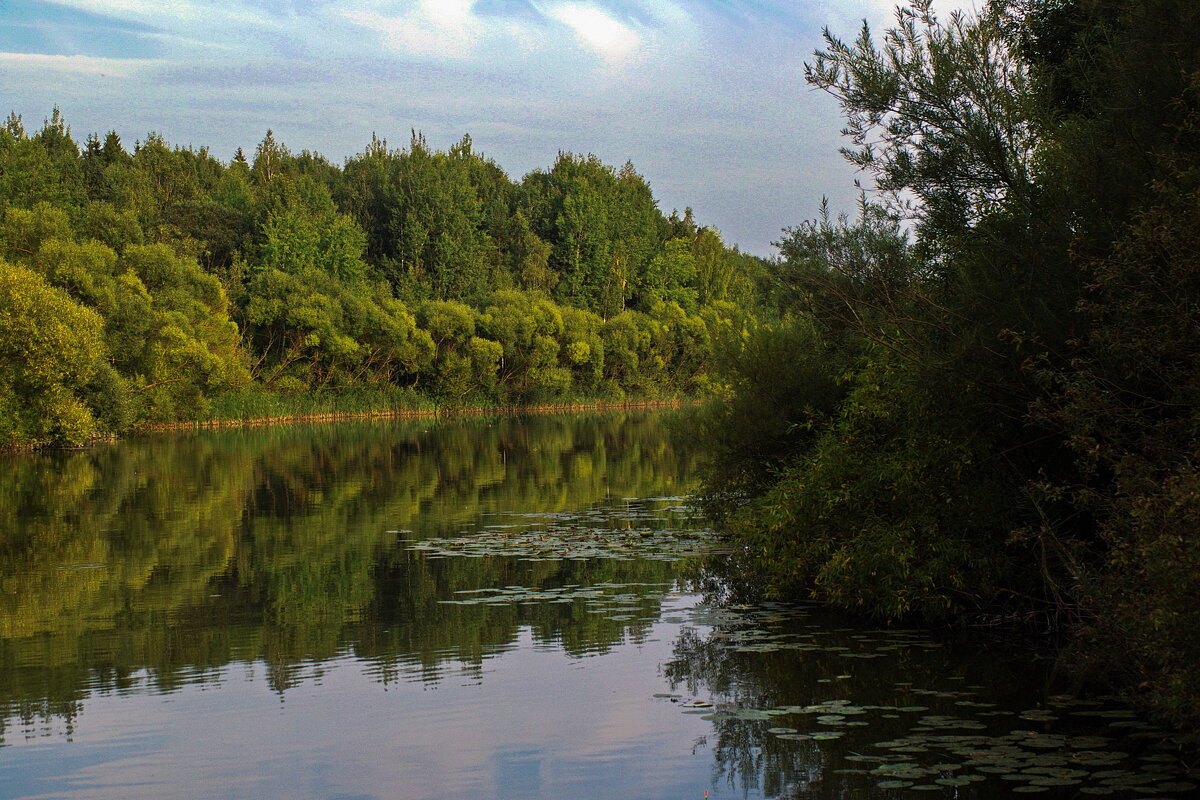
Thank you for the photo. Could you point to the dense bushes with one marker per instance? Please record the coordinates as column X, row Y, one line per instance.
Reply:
column 50, row 348
column 996, row 416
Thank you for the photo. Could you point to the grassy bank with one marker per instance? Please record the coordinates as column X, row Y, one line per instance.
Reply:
column 256, row 409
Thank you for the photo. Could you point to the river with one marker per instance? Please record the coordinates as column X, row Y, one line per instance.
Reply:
column 477, row 608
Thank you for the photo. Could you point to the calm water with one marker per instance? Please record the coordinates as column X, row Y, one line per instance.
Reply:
column 474, row 609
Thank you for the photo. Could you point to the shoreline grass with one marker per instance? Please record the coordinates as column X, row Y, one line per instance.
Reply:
column 260, row 410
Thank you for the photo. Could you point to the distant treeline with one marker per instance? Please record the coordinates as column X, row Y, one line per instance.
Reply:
column 143, row 286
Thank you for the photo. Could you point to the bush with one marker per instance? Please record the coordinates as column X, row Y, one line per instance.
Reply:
column 50, row 347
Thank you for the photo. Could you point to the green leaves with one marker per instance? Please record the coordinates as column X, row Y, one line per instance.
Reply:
column 305, row 232
column 409, row 268
column 945, row 111
column 50, row 346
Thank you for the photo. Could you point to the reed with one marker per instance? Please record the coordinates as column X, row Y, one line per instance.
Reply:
column 260, row 408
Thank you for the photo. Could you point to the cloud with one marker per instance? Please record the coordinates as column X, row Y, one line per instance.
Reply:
column 609, row 38
column 156, row 11
column 666, row 13
column 129, row 7
column 82, row 65
column 433, row 29
column 453, row 30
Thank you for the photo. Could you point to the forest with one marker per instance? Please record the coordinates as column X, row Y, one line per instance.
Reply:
column 163, row 284
column 991, row 413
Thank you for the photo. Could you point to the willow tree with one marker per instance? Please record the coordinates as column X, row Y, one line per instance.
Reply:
column 50, row 347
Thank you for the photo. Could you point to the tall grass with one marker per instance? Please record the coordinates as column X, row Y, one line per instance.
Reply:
column 359, row 401
column 261, row 407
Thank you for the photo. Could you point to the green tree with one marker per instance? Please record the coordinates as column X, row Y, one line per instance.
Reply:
column 305, row 232
column 529, row 330
column 44, row 167
column 569, row 207
column 436, row 220
column 99, row 220
column 638, row 230
column 364, row 194
column 171, row 172
column 582, row 350
column 50, row 347
column 875, row 483
column 945, row 111
column 299, row 328
column 529, row 257
column 671, row 276
column 317, row 259
column 193, row 351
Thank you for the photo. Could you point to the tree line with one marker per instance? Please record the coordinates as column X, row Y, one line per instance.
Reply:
column 164, row 284
column 991, row 407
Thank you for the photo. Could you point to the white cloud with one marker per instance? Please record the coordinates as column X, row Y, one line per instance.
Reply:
column 451, row 30
column 131, row 7
column 195, row 43
column 669, row 14
column 433, row 29
column 83, row 65
column 164, row 13
column 609, row 38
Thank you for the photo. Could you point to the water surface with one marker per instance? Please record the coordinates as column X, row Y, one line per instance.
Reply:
column 484, row 608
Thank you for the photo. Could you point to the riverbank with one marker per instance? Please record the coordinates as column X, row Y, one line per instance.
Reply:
column 272, row 410
column 431, row 411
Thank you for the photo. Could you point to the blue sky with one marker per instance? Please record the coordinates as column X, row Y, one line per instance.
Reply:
column 706, row 98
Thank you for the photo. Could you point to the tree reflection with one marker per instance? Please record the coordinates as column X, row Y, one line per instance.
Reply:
column 162, row 561
column 800, row 662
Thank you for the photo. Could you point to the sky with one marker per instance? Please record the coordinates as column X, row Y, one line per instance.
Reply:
column 706, row 98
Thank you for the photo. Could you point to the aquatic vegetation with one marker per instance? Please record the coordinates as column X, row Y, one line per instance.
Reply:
column 639, row 529
column 960, row 734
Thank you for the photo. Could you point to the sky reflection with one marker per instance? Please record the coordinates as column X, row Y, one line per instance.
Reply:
column 533, row 722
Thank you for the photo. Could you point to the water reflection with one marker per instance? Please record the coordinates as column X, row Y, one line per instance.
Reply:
column 805, row 704
column 160, row 561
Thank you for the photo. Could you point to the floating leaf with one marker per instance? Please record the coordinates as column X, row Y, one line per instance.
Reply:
column 1055, row 781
